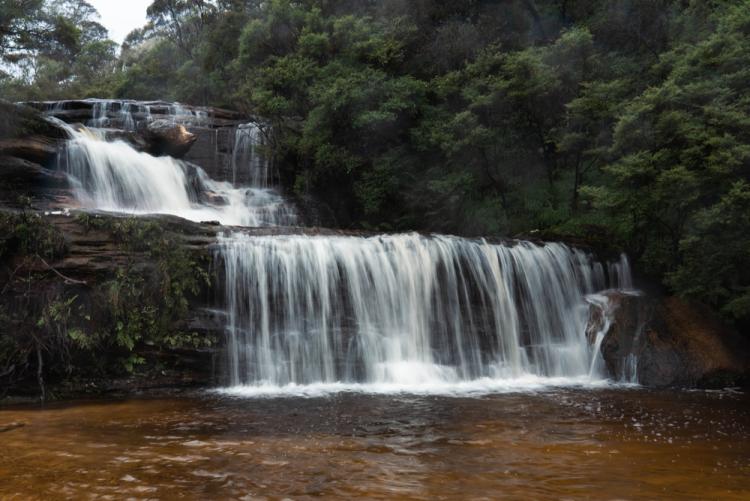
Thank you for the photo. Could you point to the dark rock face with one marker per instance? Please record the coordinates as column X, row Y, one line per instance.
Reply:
column 43, row 187
column 212, row 150
column 89, row 258
column 37, row 149
column 29, row 145
column 673, row 343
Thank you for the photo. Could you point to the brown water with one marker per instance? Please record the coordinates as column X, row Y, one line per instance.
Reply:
column 606, row 444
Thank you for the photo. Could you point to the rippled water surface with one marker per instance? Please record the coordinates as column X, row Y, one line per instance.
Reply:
column 597, row 444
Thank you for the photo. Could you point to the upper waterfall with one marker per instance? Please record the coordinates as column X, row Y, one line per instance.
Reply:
column 111, row 175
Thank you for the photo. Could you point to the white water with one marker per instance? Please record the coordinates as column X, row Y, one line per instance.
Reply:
column 124, row 113
column 476, row 387
column 405, row 313
column 131, row 115
column 602, row 303
column 112, row 176
column 394, row 313
column 249, row 139
column 250, row 155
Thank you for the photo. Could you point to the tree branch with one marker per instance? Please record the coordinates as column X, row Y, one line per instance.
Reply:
column 68, row 280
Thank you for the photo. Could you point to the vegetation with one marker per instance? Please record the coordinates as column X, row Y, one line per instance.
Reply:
column 50, row 49
column 627, row 121
column 62, row 327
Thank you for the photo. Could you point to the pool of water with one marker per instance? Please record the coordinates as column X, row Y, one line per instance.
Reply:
column 559, row 443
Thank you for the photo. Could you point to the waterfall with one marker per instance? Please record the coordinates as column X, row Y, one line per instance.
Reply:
column 251, row 165
column 619, row 272
column 401, row 312
column 405, row 310
column 131, row 115
column 124, row 114
column 112, row 176
column 248, row 140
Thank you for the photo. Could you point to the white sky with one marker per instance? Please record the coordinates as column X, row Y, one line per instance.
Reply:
column 121, row 17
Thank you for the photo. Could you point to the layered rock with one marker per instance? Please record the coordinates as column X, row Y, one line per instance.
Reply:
column 29, row 145
column 669, row 342
column 116, row 110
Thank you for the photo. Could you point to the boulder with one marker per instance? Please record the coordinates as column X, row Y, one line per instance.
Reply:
column 167, row 138
column 669, row 342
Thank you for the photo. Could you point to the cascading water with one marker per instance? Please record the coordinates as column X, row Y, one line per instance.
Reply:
column 392, row 312
column 405, row 311
column 132, row 115
column 112, row 176
column 248, row 155
column 248, row 140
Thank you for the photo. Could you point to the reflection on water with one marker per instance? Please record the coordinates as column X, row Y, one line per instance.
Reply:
column 611, row 444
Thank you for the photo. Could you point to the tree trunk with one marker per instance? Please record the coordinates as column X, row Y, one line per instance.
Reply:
column 40, row 371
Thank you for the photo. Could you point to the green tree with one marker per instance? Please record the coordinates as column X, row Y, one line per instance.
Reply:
column 681, row 161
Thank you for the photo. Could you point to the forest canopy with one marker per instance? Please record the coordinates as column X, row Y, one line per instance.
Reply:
column 625, row 122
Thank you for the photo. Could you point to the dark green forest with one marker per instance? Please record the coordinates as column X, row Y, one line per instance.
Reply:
column 624, row 123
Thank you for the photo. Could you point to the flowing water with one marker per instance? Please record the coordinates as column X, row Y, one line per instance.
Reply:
column 112, row 176
column 406, row 310
column 248, row 154
column 561, row 444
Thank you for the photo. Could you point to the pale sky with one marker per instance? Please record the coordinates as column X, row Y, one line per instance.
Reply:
column 121, row 17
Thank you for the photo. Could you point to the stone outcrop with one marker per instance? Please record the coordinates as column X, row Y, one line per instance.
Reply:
column 28, row 149
column 670, row 342
column 36, row 149
column 166, row 138
column 89, row 256
column 23, row 182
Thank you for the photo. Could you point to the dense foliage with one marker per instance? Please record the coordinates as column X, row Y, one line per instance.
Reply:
column 51, row 49
column 625, row 121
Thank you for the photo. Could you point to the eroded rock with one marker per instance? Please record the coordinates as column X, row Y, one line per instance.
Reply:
column 167, row 138
column 670, row 342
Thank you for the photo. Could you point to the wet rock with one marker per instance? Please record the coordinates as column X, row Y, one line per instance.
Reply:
column 167, row 138
column 26, row 134
column 214, row 198
column 29, row 144
column 22, row 179
column 669, row 342
column 208, row 321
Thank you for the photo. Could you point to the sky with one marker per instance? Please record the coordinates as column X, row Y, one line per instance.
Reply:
column 120, row 17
